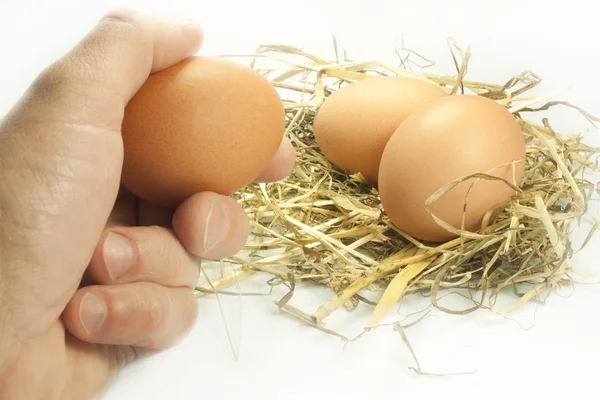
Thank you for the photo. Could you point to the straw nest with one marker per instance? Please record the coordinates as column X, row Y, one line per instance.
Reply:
column 328, row 228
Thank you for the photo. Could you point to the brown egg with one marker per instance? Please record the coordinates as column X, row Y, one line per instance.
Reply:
column 448, row 139
column 353, row 124
column 205, row 124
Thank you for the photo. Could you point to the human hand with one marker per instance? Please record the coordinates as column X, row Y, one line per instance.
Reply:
column 90, row 276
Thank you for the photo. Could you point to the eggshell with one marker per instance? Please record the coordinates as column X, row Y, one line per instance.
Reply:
column 448, row 139
column 205, row 124
column 353, row 124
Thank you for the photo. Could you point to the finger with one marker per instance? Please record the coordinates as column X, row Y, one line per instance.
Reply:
column 211, row 226
column 123, row 214
column 281, row 165
column 79, row 370
column 61, row 155
column 151, row 254
column 92, row 367
column 135, row 314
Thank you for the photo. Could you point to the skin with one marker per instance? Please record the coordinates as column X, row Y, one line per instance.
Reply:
column 90, row 276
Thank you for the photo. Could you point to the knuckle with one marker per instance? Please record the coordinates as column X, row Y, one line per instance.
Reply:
column 87, row 64
column 67, row 78
column 179, row 263
column 185, row 269
column 169, row 259
column 125, row 24
column 174, row 270
column 156, row 312
column 51, row 78
column 169, row 318
column 123, row 15
column 176, row 262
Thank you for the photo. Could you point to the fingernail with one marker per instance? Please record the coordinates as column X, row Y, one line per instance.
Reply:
column 92, row 312
column 118, row 255
column 217, row 225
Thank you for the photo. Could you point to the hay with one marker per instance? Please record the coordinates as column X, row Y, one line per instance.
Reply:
column 328, row 228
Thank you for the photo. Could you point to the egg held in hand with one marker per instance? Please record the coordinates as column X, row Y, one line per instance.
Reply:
column 449, row 139
column 204, row 124
column 353, row 124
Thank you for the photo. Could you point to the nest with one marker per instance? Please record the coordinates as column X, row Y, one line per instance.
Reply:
column 324, row 227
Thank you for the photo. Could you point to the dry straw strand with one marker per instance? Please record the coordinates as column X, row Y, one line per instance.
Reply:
column 328, row 228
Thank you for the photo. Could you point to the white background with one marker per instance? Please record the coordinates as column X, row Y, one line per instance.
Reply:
column 549, row 349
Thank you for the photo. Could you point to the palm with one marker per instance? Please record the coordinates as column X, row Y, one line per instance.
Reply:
column 56, row 364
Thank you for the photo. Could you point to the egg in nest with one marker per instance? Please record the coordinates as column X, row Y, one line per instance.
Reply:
column 354, row 123
column 449, row 139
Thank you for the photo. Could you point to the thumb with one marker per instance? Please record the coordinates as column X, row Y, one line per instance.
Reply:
column 60, row 160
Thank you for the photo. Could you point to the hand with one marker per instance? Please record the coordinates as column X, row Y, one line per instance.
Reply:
column 90, row 276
